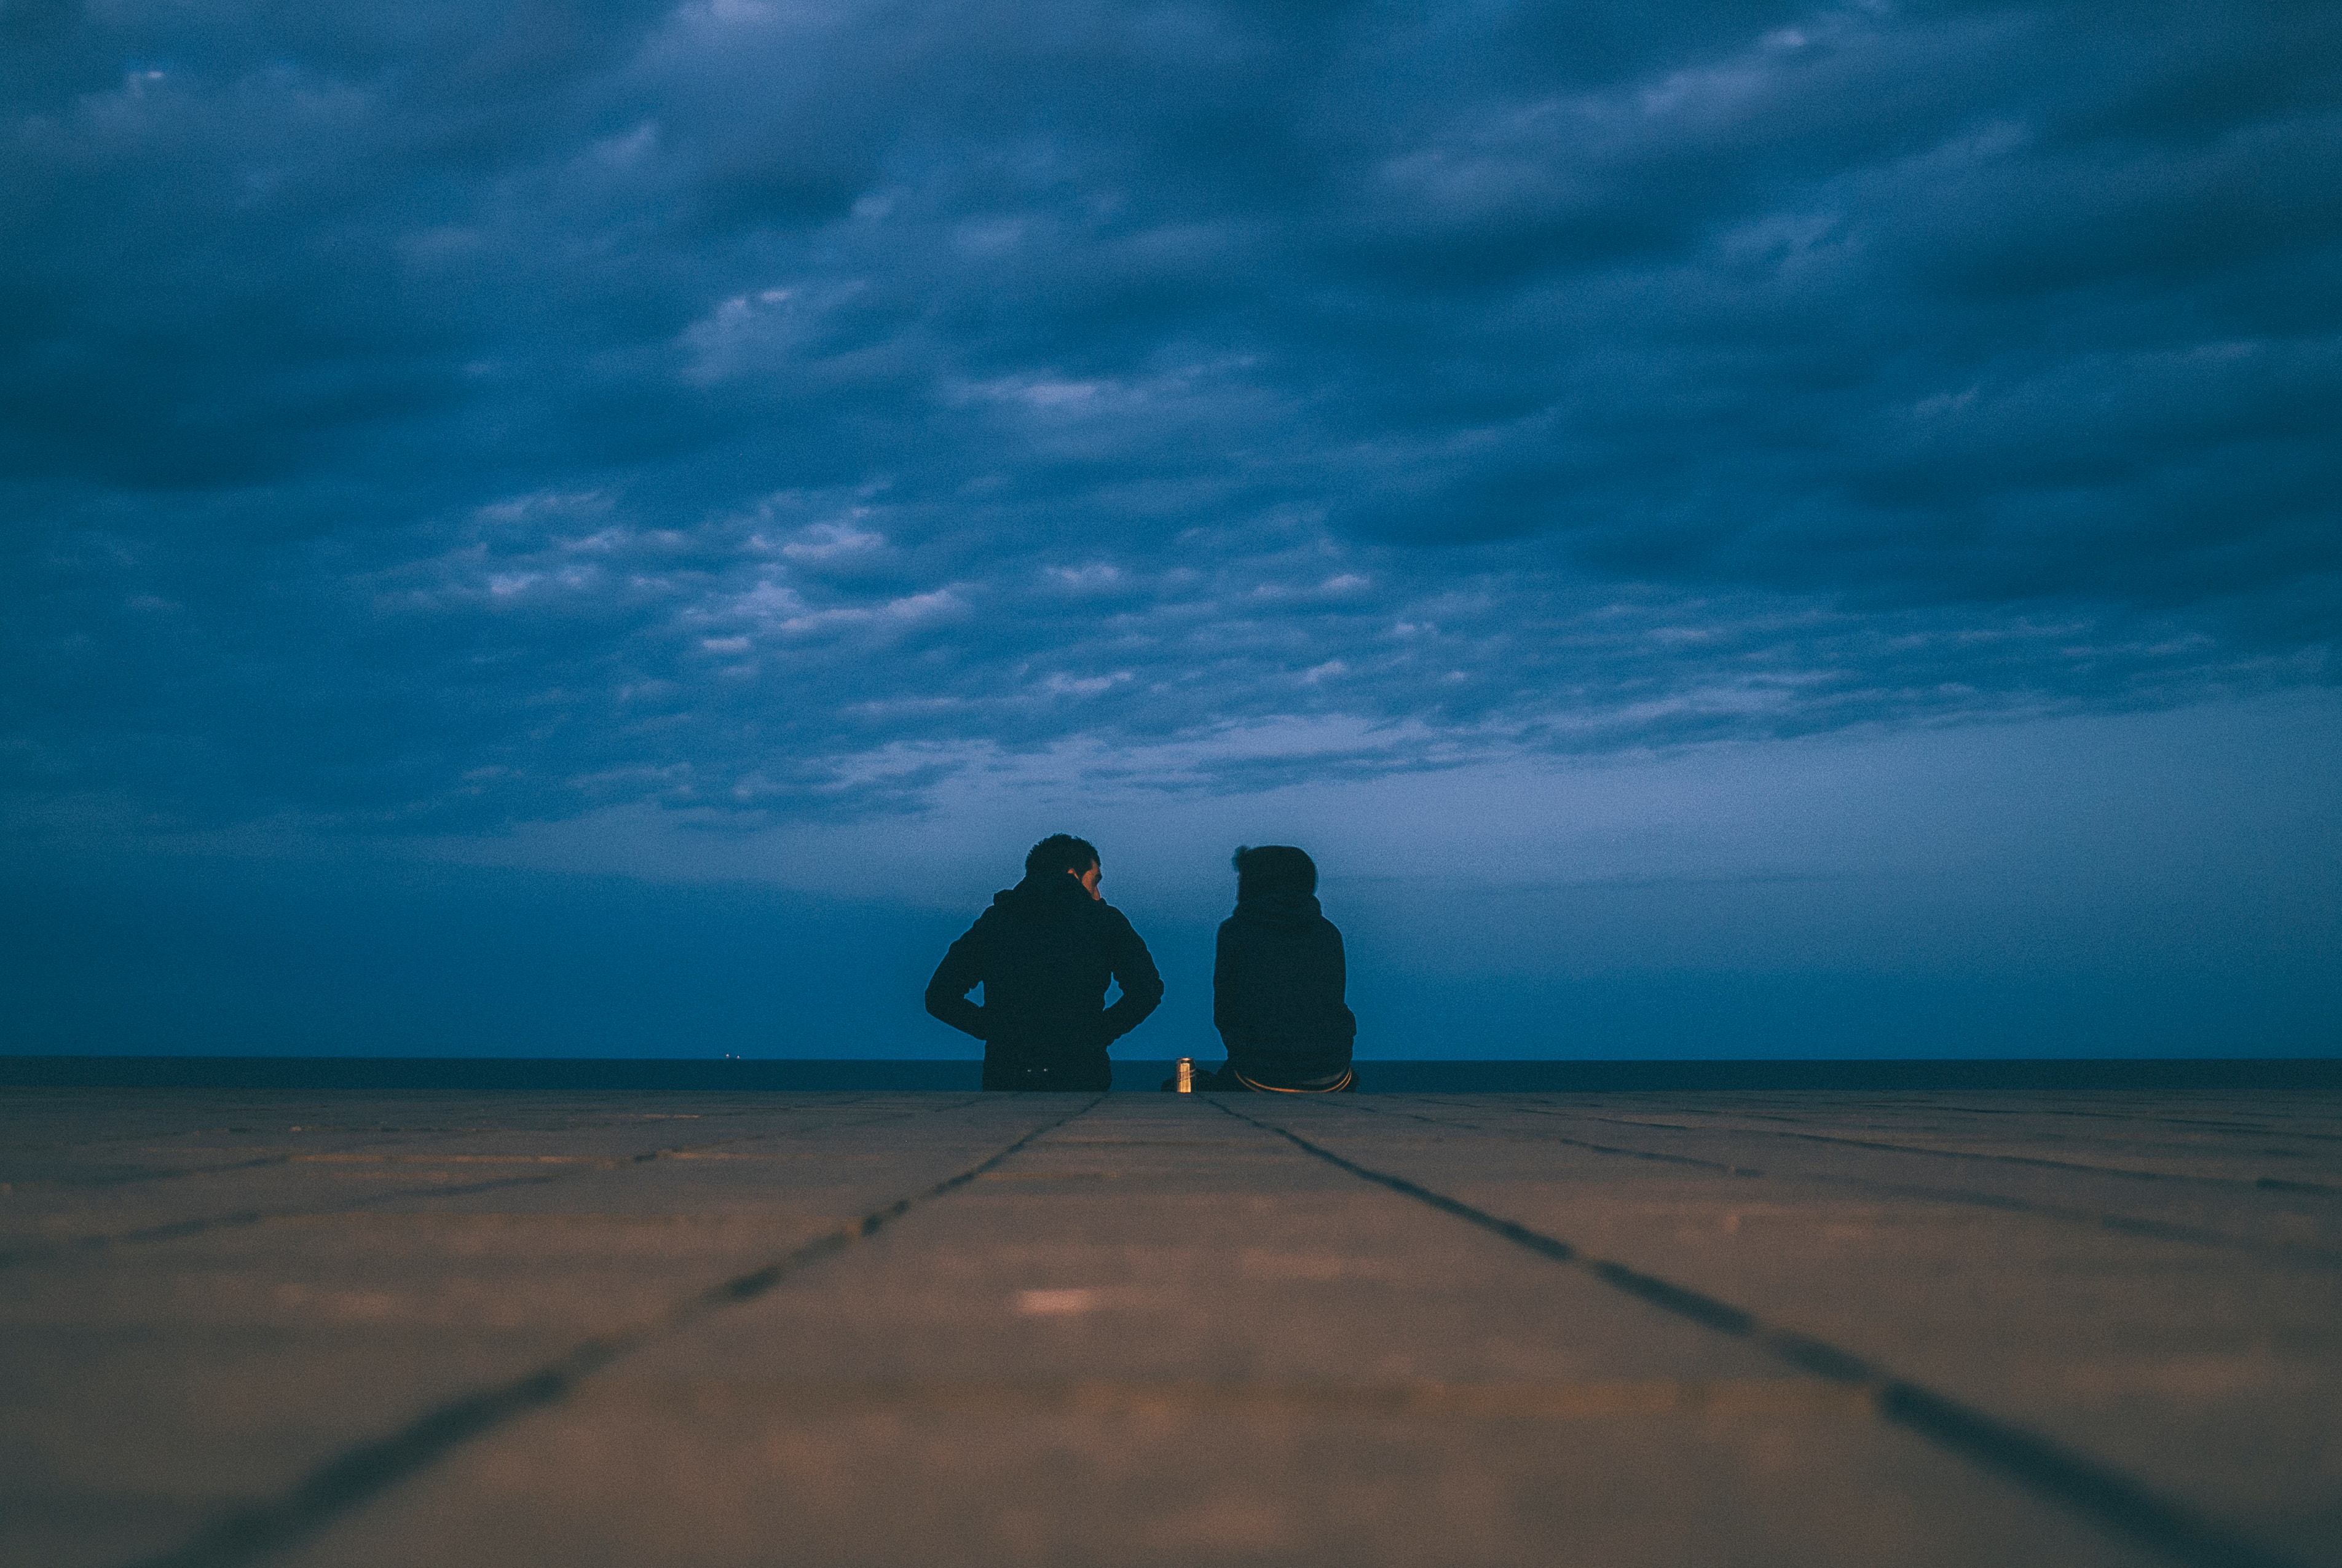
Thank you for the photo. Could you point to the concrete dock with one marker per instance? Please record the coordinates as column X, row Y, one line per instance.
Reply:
column 1790, row 1328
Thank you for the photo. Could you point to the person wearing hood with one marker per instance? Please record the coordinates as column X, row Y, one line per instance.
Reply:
column 1044, row 953
column 1278, row 981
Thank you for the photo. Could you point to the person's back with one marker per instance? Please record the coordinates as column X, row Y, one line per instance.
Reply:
column 1278, row 978
column 1045, row 954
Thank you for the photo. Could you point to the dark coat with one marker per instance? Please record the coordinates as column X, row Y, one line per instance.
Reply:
column 1278, row 981
column 1044, row 952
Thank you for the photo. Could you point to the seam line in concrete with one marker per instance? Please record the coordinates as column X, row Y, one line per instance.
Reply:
column 176, row 1230
column 2232, row 1183
column 359, row 1475
column 2049, row 1469
column 128, row 1178
column 2252, row 1129
column 2271, row 1128
column 2294, row 1253
column 73, row 1144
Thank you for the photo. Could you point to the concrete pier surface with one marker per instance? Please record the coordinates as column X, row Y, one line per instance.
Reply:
column 1794, row 1328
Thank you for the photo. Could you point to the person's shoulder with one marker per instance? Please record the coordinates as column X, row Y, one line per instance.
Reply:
column 1101, row 911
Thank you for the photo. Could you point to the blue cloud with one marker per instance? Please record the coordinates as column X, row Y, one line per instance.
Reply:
column 436, row 417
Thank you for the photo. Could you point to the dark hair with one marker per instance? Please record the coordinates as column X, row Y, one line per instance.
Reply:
column 1273, row 868
column 1060, row 852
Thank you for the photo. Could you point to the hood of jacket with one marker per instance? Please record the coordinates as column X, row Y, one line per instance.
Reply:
column 1050, row 896
column 1282, row 909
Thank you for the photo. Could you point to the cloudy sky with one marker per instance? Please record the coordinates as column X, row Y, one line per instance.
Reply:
column 1730, row 526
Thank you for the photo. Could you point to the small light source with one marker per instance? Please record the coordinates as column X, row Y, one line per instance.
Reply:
column 1186, row 1075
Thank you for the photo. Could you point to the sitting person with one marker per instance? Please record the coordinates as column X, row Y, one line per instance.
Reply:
column 1045, row 954
column 1277, row 981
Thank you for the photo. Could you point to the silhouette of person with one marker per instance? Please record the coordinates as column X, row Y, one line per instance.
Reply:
column 1044, row 953
column 1278, row 980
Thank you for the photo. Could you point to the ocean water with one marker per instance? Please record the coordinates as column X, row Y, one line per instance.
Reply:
column 549, row 1074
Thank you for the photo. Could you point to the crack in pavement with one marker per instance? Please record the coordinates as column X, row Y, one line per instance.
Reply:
column 2260, row 1184
column 361, row 1472
column 2125, row 1224
column 176, row 1230
column 2079, row 1482
column 164, row 1174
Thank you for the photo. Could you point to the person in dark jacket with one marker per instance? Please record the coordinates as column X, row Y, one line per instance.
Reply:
column 1044, row 952
column 1277, row 981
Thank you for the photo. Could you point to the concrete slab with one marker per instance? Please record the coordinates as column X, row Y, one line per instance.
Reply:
column 728, row 1328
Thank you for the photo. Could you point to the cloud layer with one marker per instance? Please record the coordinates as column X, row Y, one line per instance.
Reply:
column 438, row 416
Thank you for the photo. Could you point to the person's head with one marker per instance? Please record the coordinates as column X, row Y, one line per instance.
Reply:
column 1273, row 868
column 1062, row 853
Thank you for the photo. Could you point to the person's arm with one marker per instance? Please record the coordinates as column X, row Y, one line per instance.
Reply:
column 1142, row 987
column 1224, row 982
column 1342, row 985
column 961, row 971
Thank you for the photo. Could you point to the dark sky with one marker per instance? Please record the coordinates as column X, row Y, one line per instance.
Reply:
column 1731, row 528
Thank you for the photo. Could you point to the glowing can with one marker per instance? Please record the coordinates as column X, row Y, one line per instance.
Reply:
column 1186, row 1075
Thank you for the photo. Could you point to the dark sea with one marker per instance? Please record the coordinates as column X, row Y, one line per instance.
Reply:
column 554, row 1076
